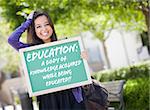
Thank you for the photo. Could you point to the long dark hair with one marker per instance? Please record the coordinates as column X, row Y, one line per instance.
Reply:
column 31, row 35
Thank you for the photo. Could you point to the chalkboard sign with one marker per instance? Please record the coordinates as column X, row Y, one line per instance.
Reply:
column 54, row 66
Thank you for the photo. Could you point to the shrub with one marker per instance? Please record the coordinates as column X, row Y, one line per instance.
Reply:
column 131, row 72
column 136, row 94
column 136, row 89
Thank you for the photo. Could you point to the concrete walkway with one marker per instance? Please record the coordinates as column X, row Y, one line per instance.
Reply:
column 18, row 107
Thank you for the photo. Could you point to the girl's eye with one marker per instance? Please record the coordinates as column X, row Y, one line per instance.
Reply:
column 38, row 26
column 47, row 24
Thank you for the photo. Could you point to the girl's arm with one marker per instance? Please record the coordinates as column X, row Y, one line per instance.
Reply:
column 14, row 38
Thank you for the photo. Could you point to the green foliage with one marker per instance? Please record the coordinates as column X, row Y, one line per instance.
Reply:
column 136, row 94
column 82, row 12
column 10, row 11
column 140, row 70
column 136, row 89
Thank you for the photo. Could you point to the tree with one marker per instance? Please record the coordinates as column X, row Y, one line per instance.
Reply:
column 130, row 13
column 8, row 57
column 75, row 16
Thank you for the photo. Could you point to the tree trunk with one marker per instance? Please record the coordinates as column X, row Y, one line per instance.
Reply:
column 106, row 55
column 146, row 12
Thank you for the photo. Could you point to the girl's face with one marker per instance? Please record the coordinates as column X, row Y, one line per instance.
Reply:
column 43, row 29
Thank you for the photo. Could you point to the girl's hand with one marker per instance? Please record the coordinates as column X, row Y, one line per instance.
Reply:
column 84, row 55
column 30, row 16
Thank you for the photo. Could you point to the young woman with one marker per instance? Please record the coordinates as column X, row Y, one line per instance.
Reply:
column 41, row 30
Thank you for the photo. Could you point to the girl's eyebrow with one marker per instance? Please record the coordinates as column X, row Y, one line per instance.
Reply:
column 37, row 24
column 44, row 23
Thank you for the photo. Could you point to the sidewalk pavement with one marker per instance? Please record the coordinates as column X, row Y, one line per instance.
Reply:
column 18, row 107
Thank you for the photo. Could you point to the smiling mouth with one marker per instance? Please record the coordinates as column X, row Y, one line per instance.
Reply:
column 45, row 34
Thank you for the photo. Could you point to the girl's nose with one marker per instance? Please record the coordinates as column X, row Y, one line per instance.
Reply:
column 43, row 27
